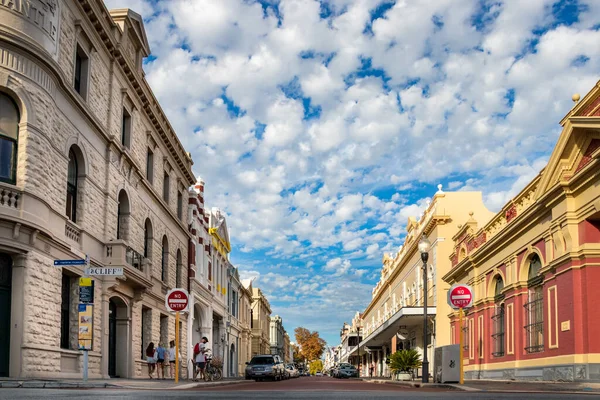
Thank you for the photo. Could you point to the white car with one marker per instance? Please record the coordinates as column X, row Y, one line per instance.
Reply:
column 319, row 374
column 292, row 371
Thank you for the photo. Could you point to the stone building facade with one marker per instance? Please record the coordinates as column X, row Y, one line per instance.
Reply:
column 90, row 165
column 533, row 267
column 276, row 335
column 394, row 318
column 260, row 323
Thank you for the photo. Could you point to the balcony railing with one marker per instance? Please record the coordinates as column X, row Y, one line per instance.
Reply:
column 72, row 232
column 133, row 258
column 9, row 197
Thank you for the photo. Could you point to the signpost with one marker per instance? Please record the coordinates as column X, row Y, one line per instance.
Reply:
column 177, row 300
column 460, row 297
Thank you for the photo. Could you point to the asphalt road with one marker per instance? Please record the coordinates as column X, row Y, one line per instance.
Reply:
column 301, row 388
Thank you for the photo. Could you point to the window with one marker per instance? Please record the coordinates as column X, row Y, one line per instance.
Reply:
column 126, row 129
column 148, row 238
column 534, row 328
column 65, row 311
column 166, row 188
column 165, row 259
column 9, row 133
column 251, row 319
column 150, row 166
column 82, row 63
column 123, row 216
column 498, row 335
column 535, row 265
column 179, row 205
column 178, row 270
column 234, row 302
column 72, row 187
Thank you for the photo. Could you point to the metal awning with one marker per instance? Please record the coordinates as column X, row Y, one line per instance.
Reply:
column 406, row 316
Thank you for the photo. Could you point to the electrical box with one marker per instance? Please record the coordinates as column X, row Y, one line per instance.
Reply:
column 446, row 364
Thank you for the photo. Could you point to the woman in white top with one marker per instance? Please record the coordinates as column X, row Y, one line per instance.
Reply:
column 171, row 355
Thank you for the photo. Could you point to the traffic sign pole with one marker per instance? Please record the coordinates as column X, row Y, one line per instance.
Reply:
column 176, row 346
column 461, row 347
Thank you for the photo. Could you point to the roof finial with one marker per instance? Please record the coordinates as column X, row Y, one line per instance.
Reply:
column 440, row 188
column 576, row 98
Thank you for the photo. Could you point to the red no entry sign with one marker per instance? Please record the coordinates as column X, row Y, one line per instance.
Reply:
column 177, row 300
column 460, row 296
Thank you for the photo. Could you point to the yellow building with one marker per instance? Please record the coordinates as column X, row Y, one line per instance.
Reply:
column 394, row 318
column 535, row 267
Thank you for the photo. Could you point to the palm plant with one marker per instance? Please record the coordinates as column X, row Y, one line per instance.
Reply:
column 405, row 360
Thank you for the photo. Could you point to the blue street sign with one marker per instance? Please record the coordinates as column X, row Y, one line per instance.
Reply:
column 68, row 262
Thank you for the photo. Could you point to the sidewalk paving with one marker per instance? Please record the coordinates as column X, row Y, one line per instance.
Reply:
column 502, row 386
column 116, row 383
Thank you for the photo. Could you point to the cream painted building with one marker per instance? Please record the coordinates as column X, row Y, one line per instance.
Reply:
column 89, row 165
column 394, row 318
column 245, row 352
column 261, row 322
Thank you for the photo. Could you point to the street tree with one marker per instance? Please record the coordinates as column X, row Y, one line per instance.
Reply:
column 311, row 344
column 315, row 366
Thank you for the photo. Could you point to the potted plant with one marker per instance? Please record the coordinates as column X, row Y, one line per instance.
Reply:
column 403, row 362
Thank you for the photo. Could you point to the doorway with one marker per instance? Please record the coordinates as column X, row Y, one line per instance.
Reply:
column 117, row 338
column 5, row 303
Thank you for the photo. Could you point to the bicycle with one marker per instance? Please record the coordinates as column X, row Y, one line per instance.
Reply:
column 212, row 372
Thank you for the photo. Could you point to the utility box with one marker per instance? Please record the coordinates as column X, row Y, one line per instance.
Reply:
column 446, row 363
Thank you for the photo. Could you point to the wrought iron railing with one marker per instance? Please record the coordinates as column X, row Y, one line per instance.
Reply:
column 498, row 335
column 534, row 328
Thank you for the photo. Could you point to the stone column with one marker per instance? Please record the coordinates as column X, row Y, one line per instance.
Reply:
column 16, row 315
column 104, row 334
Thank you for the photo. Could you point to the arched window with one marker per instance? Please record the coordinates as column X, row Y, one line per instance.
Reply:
column 123, row 216
column 165, row 259
column 72, row 174
column 9, row 135
column 148, row 238
column 499, row 285
column 535, row 264
column 178, row 270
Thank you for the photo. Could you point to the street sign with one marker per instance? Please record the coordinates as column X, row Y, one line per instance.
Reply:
column 86, row 291
column 60, row 263
column 86, row 326
column 177, row 300
column 460, row 296
column 103, row 271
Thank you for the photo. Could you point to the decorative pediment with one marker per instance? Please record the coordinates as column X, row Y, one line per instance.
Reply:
column 218, row 229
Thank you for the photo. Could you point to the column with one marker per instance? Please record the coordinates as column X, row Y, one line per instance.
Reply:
column 17, row 314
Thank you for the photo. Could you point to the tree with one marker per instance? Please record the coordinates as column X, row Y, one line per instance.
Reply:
column 311, row 345
column 315, row 366
column 405, row 360
column 298, row 359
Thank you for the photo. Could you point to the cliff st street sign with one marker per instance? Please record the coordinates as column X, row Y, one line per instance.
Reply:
column 91, row 271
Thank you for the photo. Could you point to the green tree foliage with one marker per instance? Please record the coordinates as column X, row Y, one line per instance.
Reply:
column 405, row 360
column 311, row 345
column 315, row 366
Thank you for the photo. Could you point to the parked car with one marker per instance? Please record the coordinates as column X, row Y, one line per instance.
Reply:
column 319, row 373
column 265, row 366
column 293, row 372
column 346, row 371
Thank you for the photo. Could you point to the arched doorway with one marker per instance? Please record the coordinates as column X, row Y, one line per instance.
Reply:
column 5, row 295
column 118, row 338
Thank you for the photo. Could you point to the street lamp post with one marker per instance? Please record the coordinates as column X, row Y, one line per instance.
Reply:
column 424, row 247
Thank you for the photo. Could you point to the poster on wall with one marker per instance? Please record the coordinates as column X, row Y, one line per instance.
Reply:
column 86, row 326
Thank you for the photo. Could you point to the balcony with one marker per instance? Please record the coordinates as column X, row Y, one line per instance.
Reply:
column 136, row 268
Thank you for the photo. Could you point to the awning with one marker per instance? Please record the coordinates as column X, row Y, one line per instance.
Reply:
column 406, row 316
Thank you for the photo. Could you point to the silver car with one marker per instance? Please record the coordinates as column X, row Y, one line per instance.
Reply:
column 265, row 367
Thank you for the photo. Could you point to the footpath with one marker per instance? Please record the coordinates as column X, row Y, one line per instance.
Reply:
column 503, row 386
column 116, row 383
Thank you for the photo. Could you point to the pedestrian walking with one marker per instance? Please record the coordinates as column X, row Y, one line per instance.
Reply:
column 200, row 357
column 371, row 369
column 171, row 354
column 150, row 359
column 160, row 361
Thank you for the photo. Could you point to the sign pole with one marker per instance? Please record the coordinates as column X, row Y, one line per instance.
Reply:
column 460, row 336
column 85, row 365
column 177, row 347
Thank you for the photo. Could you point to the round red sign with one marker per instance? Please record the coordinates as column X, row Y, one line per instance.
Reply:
column 460, row 296
column 177, row 300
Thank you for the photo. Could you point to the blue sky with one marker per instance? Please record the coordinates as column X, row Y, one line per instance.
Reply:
column 321, row 126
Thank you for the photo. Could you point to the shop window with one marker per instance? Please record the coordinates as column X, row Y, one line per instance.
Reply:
column 65, row 312
column 9, row 134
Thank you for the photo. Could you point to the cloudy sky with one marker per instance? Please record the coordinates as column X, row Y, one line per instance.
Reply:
column 321, row 126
